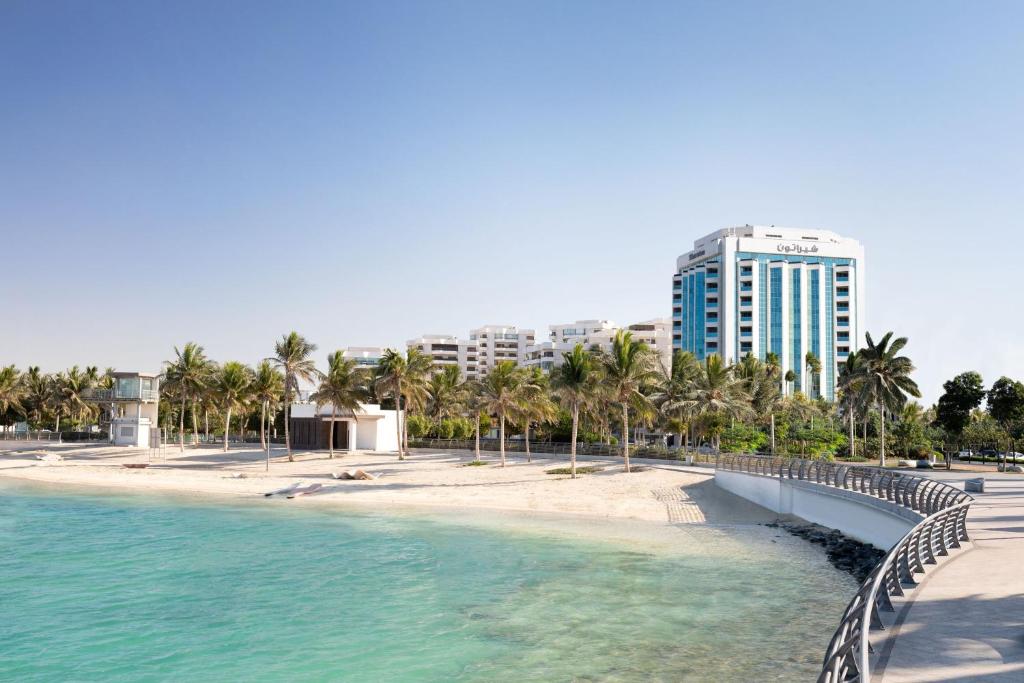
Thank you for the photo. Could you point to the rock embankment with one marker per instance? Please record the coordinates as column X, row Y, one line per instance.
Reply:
column 844, row 553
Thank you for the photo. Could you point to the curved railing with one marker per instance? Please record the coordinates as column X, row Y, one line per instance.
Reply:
column 944, row 527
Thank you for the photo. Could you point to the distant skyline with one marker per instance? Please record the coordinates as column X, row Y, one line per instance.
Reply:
column 365, row 173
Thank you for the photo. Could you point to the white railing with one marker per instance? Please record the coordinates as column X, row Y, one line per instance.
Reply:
column 943, row 528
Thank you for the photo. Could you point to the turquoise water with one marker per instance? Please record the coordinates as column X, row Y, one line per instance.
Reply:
column 120, row 588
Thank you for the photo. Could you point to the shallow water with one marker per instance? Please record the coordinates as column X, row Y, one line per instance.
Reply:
column 125, row 588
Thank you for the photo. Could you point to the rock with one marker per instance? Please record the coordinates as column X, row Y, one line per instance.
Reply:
column 844, row 553
column 904, row 463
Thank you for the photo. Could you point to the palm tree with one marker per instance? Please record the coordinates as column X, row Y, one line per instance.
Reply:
column 850, row 377
column 574, row 384
column 473, row 405
column 673, row 390
column 886, row 379
column 292, row 358
column 188, row 376
column 535, row 403
column 36, row 392
column 718, row 392
column 343, row 386
column 12, row 389
column 446, row 390
column 232, row 384
column 814, row 368
column 267, row 386
column 74, row 389
column 629, row 369
column 402, row 377
column 502, row 394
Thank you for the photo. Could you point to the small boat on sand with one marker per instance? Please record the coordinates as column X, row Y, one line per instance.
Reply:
column 286, row 490
column 305, row 490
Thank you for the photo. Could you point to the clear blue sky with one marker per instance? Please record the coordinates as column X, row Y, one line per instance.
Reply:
column 366, row 172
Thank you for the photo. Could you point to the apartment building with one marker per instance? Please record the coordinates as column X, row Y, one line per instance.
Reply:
column 444, row 349
column 496, row 343
column 600, row 334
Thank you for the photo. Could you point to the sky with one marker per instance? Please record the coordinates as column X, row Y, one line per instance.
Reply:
column 363, row 173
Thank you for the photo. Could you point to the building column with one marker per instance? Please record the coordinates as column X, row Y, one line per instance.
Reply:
column 352, row 432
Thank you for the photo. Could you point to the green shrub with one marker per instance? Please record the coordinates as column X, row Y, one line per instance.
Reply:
column 590, row 469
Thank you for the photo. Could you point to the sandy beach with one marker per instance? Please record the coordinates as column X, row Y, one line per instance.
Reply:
column 427, row 479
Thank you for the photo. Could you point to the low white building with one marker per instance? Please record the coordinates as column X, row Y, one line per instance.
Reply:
column 367, row 429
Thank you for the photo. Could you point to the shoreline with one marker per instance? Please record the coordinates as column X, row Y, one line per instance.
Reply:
column 654, row 506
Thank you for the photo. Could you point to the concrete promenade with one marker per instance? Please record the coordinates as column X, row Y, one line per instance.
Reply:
column 965, row 620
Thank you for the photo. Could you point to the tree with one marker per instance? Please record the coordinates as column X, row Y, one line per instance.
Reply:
column 672, row 394
column 35, row 398
column 343, row 386
column 628, row 370
column 188, row 375
column 446, row 390
column 292, row 358
column 11, row 389
column 267, row 387
column 886, row 379
column 718, row 394
column 535, row 403
column 402, row 377
column 813, row 364
column 961, row 395
column 574, row 384
column 1006, row 405
column 501, row 394
column 851, row 375
column 231, row 384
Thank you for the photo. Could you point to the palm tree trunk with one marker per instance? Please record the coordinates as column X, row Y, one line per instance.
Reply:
column 195, row 425
column 398, row 419
column 853, row 440
column 881, row 443
column 501, row 420
column 241, row 426
column 263, row 424
column 572, row 450
column 287, row 435
column 181, row 426
column 330, row 434
column 526, row 433
column 477, row 425
column 227, row 428
column 206, row 419
column 625, row 435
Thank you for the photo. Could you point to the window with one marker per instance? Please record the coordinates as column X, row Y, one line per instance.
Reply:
column 842, row 276
column 746, row 331
column 129, row 431
column 712, row 316
column 746, row 316
column 746, row 301
column 746, row 347
column 712, row 272
column 842, row 291
column 712, row 301
column 746, row 270
column 843, row 336
column 843, row 321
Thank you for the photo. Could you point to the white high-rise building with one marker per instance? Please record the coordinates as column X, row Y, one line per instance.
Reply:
column 445, row 349
column 761, row 290
column 496, row 343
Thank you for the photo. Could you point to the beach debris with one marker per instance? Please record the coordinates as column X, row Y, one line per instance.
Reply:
column 305, row 490
column 50, row 458
column 356, row 474
column 237, row 475
column 136, row 465
column 286, row 490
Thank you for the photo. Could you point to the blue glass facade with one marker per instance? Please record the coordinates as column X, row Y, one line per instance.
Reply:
column 775, row 298
column 796, row 326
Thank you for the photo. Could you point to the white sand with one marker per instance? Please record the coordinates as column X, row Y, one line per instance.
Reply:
column 426, row 479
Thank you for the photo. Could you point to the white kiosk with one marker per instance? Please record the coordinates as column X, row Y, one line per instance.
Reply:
column 134, row 401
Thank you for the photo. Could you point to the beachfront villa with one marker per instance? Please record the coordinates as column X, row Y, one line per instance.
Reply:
column 367, row 429
column 134, row 401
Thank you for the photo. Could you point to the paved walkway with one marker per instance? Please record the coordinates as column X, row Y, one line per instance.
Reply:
column 965, row 620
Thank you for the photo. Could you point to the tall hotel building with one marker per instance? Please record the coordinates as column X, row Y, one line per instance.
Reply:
column 761, row 290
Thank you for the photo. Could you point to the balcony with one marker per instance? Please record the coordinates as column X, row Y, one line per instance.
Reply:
column 122, row 393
